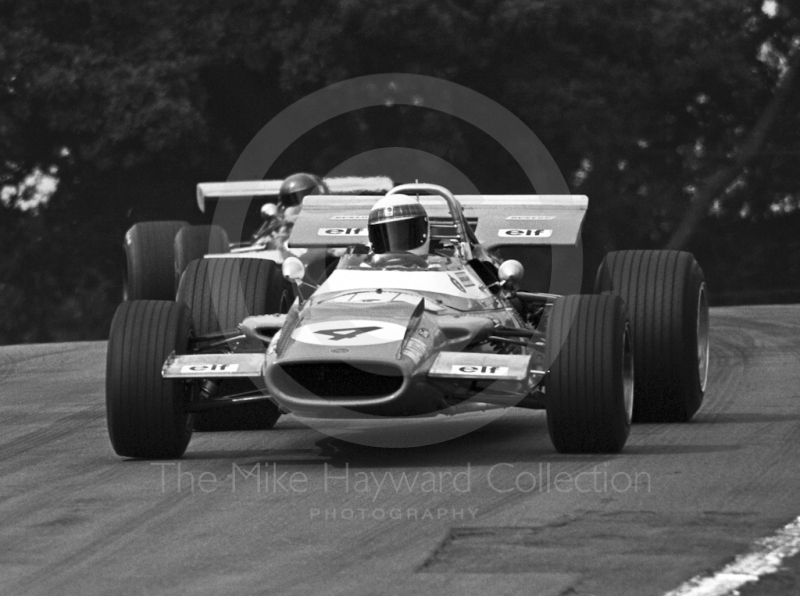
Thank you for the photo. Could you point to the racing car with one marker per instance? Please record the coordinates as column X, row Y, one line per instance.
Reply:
column 158, row 252
column 399, row 334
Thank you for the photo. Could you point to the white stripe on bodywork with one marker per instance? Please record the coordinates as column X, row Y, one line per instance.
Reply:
column 377, row 297
column 437, row 282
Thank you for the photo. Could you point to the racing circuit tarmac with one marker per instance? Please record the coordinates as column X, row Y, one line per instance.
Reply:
column 494, row 512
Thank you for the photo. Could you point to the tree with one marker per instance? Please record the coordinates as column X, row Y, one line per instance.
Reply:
column 715, row 185
column 130, row 104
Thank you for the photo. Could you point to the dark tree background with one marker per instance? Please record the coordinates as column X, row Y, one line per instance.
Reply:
column 679, row 119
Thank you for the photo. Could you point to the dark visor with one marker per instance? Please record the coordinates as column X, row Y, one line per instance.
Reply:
column 403, row 234
column 292, row 199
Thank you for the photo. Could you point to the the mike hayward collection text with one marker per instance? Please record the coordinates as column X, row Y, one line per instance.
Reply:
column 283, row 479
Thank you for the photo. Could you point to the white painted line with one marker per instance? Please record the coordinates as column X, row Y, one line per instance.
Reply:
column 764, row 558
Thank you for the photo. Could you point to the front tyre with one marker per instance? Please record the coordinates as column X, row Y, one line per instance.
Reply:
column 667, row 300
column 589, row 385
column 145, row 412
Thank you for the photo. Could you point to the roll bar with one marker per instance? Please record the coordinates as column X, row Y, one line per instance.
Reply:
column 463, row 230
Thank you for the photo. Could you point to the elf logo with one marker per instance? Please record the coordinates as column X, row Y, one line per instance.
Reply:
column 342, row 232
column 478, row 371
column 523, row 233
column 204, row 369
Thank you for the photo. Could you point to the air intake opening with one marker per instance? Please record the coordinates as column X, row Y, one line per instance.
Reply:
column 332, row 380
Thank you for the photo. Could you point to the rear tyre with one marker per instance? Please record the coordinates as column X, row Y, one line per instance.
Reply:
column 589, row 385
column 150, row 254
column 667, row 301
column 146, row 413
column 195, row 242
column 221, row 293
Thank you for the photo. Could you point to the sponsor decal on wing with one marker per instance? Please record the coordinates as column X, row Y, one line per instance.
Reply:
column 349, row 333
column 531, row 217
column 205, row 369
column 342, row 232
column 476, row 370
column 365, row 217
column 524, row 233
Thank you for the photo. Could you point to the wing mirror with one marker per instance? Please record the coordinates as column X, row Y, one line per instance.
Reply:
column 511, row 271
column 293, row 270
column 268, row 211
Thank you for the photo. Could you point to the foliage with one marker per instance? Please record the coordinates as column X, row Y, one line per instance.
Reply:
column 131, row 103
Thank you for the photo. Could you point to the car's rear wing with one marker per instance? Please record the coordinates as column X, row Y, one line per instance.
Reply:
column 498, row 220
column 246, row 190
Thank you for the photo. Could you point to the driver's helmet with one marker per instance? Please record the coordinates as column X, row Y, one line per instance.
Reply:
column 297, row 186
column 399, row 222
column 278, row 222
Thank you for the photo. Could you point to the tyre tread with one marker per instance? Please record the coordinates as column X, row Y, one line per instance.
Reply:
column 144, row 411
column 660, row 289
column 149, row 249
column 585, row 412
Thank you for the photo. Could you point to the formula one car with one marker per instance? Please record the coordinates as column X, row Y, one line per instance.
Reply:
column 158, row 252
column 397, row 334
